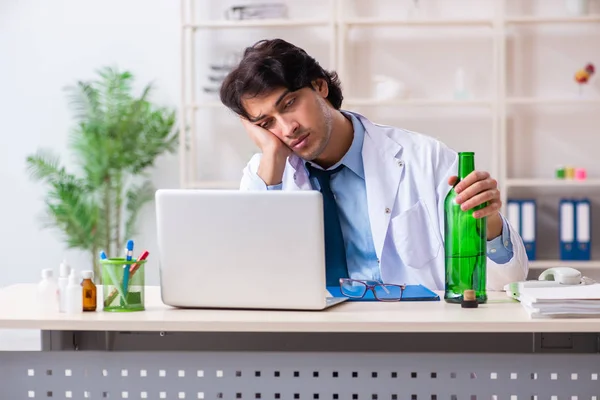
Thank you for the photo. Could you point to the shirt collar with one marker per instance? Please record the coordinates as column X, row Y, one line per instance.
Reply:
column 353, row 158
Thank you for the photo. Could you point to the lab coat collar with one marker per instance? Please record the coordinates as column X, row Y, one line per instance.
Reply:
column 384, row 170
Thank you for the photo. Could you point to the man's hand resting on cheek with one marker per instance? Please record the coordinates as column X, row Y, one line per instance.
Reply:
column 274, row 153
column 476, row 189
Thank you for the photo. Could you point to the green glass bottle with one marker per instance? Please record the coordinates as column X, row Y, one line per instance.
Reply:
column 465, row 241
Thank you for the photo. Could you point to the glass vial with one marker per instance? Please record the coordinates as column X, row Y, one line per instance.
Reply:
column 89, row 292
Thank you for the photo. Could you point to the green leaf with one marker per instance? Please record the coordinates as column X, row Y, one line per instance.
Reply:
column 44, row 166
column 115, row 139
column 137, row 196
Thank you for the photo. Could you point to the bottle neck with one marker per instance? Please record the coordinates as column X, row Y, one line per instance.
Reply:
column 466, row 165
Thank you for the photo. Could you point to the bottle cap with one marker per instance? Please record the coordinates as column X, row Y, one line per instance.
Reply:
column 47, row 273
column 469, row 295
column 469, row 299
column 87, row 274
column 65, row 269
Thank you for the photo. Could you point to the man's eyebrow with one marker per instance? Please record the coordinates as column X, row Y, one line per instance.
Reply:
column 279, row 99
column 287, row 91
column 256, row 119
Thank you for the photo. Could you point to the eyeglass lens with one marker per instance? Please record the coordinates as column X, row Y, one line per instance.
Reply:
column 383, row 292
column 353, row 288
column 388, row 292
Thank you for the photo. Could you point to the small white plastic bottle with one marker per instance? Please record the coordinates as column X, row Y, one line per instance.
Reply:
column 74, row 295
column 63, row 280
column 47, row 292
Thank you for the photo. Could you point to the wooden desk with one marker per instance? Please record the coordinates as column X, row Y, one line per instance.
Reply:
column 362, row 350
column 502, row 314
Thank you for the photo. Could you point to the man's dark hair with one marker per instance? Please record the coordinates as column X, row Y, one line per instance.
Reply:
column 273, row 64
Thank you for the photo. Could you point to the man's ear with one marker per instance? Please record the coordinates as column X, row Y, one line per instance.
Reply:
column 320, row 86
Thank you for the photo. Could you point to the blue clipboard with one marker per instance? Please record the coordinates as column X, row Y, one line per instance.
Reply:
column 411, row 293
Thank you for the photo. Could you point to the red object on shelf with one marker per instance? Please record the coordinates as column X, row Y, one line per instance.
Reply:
column 590, row 68
column 583, row 75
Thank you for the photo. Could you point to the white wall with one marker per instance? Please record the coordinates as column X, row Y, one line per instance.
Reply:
column 46, row 45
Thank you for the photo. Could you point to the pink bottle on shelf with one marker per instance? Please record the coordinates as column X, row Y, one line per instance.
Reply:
column 580, row 174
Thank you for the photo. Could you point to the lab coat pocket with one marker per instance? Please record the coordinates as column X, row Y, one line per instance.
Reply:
column 414, row 236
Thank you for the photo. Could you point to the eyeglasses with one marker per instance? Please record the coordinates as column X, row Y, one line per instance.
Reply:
column 356, row 289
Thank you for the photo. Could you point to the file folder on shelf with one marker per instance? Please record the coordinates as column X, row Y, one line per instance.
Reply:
column 522, row 216
column 567, row 230
column 583, row 224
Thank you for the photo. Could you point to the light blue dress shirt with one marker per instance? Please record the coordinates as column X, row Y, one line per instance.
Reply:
column 350, row 193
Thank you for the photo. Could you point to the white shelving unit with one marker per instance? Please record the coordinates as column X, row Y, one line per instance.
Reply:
column 418, row 103
column 543, row 183
column 553, row 20
column 265, row 23
column 339, row 25
column 551, row 101
column 416, row 22
column 565, row 187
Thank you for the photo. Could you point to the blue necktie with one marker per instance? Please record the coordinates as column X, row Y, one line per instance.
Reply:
column 335, row 250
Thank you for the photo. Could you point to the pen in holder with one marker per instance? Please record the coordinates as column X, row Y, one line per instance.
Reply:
column 118, row 297
column 126, row 268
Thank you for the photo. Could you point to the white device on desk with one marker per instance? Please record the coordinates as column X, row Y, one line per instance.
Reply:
column 561, row 276
column 553, row 277
column 242, row 249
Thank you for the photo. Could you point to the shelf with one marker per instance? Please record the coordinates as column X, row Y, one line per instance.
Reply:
column 258, row 23
column 416, row 22
column 553, row 20
column 213, row 185
column 282, row 22
column 551, row 182
column 375, row 103
column 417, row 102
column 552, row 101
column 543, row 264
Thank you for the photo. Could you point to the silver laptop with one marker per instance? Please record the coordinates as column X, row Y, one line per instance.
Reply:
column 240, row 249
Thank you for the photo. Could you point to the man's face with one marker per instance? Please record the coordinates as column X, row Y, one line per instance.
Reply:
column 302, row 119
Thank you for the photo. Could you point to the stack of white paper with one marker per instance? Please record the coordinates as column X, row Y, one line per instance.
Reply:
column 562, row 302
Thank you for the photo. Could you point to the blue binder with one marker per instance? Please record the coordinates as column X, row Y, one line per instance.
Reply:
column 411, row 293
column 567, row 229
column 522, row 216
column 528, row 227
column 583, row 231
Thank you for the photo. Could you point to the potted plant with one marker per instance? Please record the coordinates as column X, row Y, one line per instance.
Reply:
column 115, row 141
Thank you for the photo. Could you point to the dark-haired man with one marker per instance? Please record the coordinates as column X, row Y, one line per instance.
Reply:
column 383, row 187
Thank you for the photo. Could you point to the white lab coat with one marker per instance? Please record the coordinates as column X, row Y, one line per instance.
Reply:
column 406, row 176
